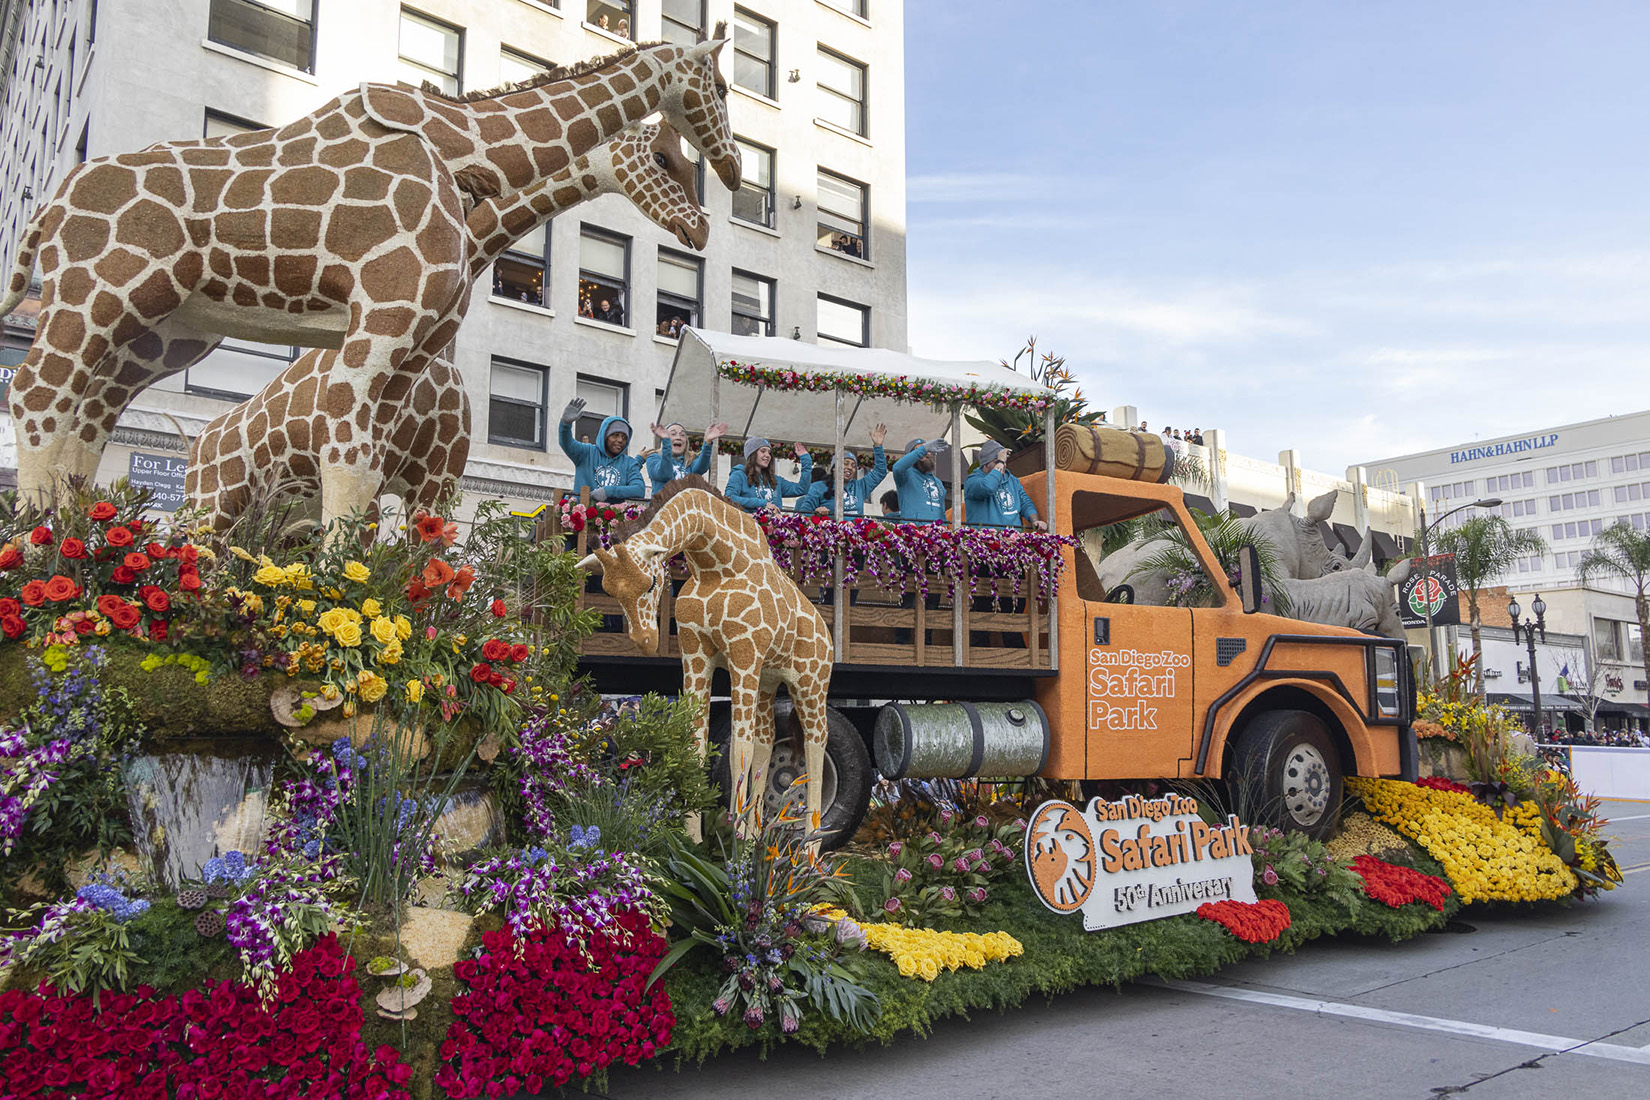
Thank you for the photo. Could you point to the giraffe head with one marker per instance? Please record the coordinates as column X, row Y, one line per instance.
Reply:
column 633, row 575
column 649, row 167
column 695, row 101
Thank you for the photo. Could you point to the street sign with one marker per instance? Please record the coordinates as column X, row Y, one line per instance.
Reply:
column 1441, row 591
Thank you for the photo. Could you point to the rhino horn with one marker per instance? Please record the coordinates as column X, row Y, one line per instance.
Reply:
column 1365, row 554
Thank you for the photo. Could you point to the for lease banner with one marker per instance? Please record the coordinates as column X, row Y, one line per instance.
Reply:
column 1135, row 859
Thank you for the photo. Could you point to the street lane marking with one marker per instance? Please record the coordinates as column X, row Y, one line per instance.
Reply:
column 1635, row 817
column 1637, row 867
column 1556, row 1044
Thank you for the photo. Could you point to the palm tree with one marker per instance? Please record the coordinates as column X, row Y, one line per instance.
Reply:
column 1486, row 547
column 1226, row 535
column 1620, row 551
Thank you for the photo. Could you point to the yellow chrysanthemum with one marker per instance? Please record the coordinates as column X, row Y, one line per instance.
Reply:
column 355, row 571
column 384, row 631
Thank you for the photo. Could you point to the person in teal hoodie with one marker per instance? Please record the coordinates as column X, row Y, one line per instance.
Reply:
column 604, row 468
column 856, row 487
column 995, row 498
column 754, row 486
column 670, row 461
column 921, row 492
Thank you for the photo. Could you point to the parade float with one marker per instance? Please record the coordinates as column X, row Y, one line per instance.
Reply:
column 384, row 808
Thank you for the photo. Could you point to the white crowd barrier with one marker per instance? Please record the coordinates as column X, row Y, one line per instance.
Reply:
column 1610, row 772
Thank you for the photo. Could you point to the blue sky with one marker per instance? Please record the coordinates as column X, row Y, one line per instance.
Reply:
column 1359, row 229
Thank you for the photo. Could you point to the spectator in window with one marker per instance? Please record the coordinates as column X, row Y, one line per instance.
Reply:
column 624, row 28
column 921, row 492
column 856, row 487
column 851, row 245
column 754, row 486
column 602, row 21
column 610, row 312
column 605, row 468
column 672, row 460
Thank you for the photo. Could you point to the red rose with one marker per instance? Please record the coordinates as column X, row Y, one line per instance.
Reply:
column 122, row 575
column 190, row 581
column 495, row 678
column 107, row 603
column 481, row 672
column 102, row 511
column 33, row 593
column 155, row 599
column 157, row 629
column 520, row 652
column 124, row 616
column 118, row 536
column 135, row 562
column 40, row 536
column 507, row 686
column 83, row 626
column 12, row 626
column 499, row 609
column 10, row 557
column 495, row 649
column 156, row 551
column 9, row 606
column 186, row 554
column 61, row 588
column 72, row 548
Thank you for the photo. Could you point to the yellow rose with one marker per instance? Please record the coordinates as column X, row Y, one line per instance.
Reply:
column 370, row 608
column 403, row 627
column 348, row 634
column 415, row 690
column 306, row 606
column 330, row 620
column 270, row 575
column 384, row 631
column 297, row 575
column 355, row 571
column 372, row 686
column 390, row 654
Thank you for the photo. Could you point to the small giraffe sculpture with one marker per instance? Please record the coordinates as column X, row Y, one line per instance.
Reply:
column 272, row 442
column 737, row 610
column 344, row 229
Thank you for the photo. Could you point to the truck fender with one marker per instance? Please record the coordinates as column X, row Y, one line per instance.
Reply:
column 1347, row 726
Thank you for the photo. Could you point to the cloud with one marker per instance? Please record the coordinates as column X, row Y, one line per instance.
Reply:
column 947, row 187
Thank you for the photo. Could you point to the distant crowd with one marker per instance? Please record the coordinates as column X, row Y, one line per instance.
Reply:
column 1616, row 739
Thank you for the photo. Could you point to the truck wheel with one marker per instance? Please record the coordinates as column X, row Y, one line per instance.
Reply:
column 1291, row 772
column 848, row 773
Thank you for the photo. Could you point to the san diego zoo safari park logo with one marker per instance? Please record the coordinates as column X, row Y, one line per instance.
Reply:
column 1060, row 855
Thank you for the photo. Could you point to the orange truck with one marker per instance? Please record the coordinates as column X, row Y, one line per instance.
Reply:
column 1083, row 687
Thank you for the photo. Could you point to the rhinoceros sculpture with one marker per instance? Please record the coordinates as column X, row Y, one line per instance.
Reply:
column 1357, row 597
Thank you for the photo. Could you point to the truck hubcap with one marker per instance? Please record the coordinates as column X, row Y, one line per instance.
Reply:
column 785, row 767
column 1306, row 785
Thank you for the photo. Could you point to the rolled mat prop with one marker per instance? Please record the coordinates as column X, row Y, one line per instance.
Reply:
column 1112, row 452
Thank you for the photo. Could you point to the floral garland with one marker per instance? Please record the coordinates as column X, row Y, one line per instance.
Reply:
column 221, row 1041
column 922, row 952
column 1398, row 886
column 1251, row 922
column 900, row 387
column 536, row 1013
column 1485, row 858
column 601, row 519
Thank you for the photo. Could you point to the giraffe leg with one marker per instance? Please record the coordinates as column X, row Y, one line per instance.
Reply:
column 762, row 746
column 810, row 710
column 696, row 683
column 746, row 685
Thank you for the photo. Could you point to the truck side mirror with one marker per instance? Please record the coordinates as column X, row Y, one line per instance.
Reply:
column 1249, row 578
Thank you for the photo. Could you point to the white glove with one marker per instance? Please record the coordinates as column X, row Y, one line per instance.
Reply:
column 598, row 494
column 574, row 410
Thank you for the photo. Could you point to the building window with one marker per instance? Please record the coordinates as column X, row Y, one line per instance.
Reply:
column 1575, row 471
column 601, row 400
column 698, row 163
column 280, row 30
column 842, row 91
column 843, row 213
column 1639, row 490
column 681, row 292
column 431, row 50
column 514, row 67
column 753, row 52
column 604, row 275
column 521, row 274
column 515, row 404
column 752, row 304
column 1452, row 490
column 1628, row 464
column 1567, row 502
column 1524, row 479
column 852, row 7
column 843, row 322
column 683, row 21
column 754, row 201
column 613, row 16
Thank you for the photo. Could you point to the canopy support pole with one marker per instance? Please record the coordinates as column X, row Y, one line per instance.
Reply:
column 838, row 596
column 1048, row 518
column 960, row 588
column 716, row 477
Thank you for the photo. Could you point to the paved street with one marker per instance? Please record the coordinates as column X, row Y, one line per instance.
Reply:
column 1548, row 1005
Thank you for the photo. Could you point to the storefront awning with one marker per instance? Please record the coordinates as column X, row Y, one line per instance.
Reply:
column 1241, row 511
column 1630, row 710
column 1522, row 701
column 1201, row 503
column 1349, row 538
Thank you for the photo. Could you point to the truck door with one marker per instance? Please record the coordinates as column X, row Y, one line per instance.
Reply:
column 1137, row 682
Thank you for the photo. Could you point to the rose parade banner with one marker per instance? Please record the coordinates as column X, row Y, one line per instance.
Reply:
column 1135, row 859
column 1441, row 590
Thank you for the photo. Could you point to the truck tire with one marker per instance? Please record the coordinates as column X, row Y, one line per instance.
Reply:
column 1288, row 763
column 848, row 772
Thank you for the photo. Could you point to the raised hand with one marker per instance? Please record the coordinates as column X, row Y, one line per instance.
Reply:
column 574, row 410
column 658, row 431
column 716, row 431
column 801, row 450
column 879, row 432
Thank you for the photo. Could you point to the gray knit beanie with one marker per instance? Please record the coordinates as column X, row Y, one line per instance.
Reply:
column 754, row 444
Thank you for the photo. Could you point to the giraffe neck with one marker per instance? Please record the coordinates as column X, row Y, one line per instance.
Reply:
column 496, row 224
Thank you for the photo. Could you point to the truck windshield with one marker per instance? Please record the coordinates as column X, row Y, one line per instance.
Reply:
column 1144, row 559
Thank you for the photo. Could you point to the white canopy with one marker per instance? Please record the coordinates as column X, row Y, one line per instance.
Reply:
column 754, row 408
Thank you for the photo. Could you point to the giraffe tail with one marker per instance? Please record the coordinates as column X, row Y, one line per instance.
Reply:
column 23, row 268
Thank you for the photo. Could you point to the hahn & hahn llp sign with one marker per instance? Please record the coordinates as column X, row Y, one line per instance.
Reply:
column 1136, row 859
column 1505, row 447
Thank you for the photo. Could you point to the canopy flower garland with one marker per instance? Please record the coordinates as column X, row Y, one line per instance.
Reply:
column 900, row 387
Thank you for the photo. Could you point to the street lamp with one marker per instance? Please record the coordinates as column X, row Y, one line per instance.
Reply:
column 1528, row 631
column 1426, row 566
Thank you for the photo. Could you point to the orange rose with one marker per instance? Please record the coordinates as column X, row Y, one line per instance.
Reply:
column 61, row 588
column 102, row 511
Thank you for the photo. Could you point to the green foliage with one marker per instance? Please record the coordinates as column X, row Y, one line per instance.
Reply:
column 175, row 957
column 1016, row 428
column 1293, row 864
column 1190, row 585
column 78, row 947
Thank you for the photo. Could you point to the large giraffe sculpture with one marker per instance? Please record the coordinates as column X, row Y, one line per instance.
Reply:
column 273, row 441
column 737, row 610
column 343, row 229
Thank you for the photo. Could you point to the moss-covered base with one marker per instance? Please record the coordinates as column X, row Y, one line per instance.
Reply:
column 1059, row 956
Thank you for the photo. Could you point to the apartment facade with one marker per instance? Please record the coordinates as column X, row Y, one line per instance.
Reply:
column 1566, row 483
column 812, row 245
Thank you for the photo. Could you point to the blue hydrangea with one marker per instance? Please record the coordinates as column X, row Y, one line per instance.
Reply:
column 108, row 898
column 231, row 868
column 534, row 854
column 584, row 838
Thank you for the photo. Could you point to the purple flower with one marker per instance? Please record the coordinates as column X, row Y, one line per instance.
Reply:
column 892, row 905
column 936, row 861
column 933, row 838
column 960, row 865
column 902, row 875
column 948, row 893
column 981, row 822
column 895, row 849
column 1269, row 876
column 977, row 895
column 720, row 1006
column 788, row 1023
